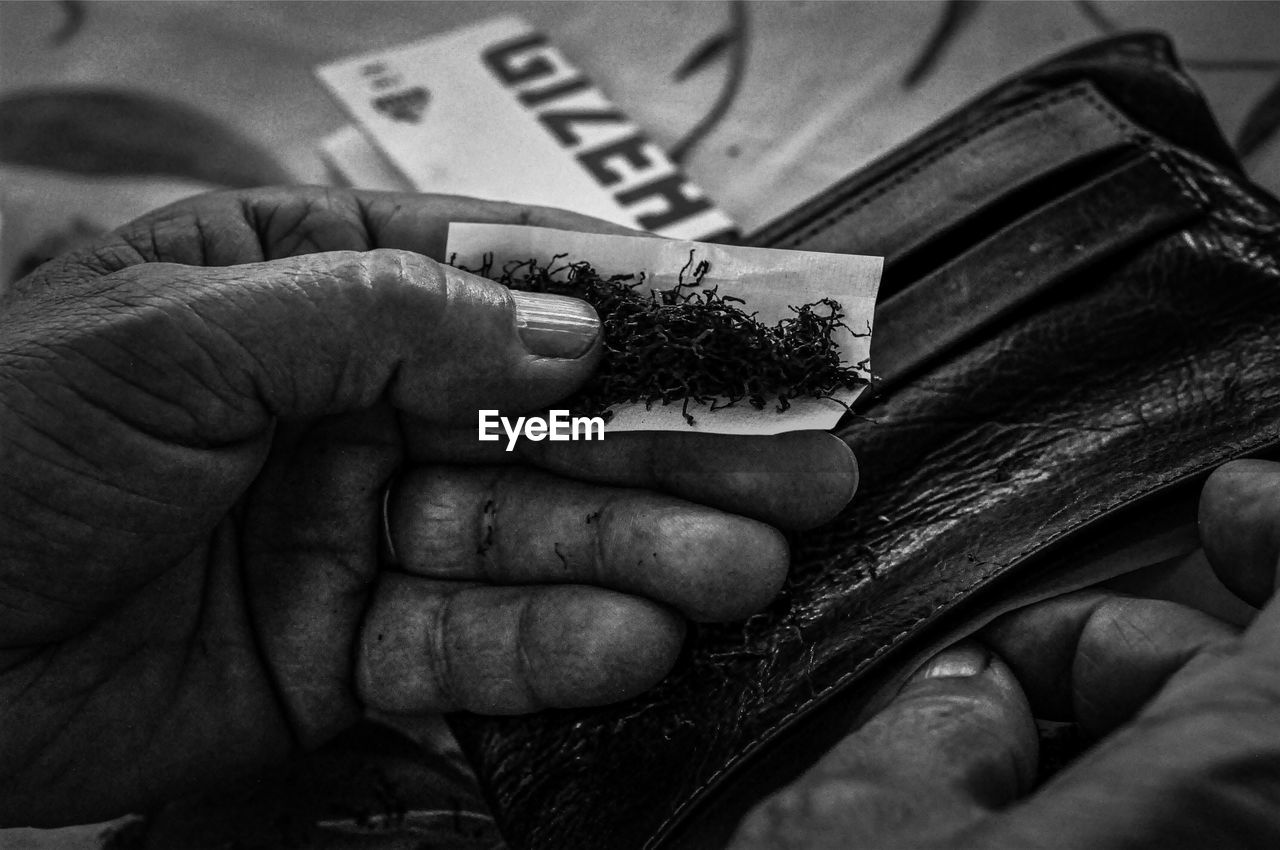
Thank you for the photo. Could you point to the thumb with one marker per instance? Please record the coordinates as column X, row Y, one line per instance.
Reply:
column 140, row 403
column 956, row 742
column 1240, row 527
column 218, row 353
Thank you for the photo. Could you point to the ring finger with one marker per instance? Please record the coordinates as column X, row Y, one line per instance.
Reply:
column 514, row 525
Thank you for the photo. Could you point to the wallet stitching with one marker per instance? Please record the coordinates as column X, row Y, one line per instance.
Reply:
column 1083, row 92
column 1187, row 187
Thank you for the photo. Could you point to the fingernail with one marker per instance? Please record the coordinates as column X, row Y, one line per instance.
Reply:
column 555, row 326
column 958, row 662
column 854, row 472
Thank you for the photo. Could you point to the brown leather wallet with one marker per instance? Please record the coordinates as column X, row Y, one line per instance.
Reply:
column 1078, row 320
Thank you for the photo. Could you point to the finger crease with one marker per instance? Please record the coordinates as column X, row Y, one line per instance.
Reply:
column 441, row 665
column 486, row 536
column 526, row 674
column 604, row 519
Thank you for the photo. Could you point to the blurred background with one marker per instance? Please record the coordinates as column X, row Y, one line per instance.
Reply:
column 109, row 109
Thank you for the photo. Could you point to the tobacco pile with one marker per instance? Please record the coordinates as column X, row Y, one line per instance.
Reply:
column 691, row 344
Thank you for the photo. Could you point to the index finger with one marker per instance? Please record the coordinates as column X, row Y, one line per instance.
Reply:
column 298, row 220
column 234, row 227
column 1097, row 658
column 420, row 223
column 795, row 480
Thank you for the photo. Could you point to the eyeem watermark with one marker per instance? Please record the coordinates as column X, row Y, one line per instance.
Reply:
column 558, row 425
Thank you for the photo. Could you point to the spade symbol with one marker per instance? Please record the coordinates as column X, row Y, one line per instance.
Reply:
column 407, row 105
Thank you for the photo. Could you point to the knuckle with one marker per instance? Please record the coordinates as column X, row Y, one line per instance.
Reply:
column 306, row 221
column 405, row 662
column 483, row 666
column 528, row 673
column 408, row 287
column 433, row 519
column 493, row 493
column 449, row 522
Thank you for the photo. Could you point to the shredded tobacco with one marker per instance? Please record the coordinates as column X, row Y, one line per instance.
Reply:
column 689, row 344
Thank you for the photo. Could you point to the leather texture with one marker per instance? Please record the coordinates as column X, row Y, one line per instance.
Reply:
column 1078, row 321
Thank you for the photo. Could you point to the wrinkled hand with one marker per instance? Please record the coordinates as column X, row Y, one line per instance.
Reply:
column 199, row 416
column 1186, row 706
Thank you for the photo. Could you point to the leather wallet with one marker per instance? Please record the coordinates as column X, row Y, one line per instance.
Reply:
column 1078, row 321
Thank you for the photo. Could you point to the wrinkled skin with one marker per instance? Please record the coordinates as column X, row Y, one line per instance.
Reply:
column 199, row 415
column 1185, row 707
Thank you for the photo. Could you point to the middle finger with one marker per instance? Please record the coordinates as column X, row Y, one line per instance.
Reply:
column 514, row 525
column 794, row 480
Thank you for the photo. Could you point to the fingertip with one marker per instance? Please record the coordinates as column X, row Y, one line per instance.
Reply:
column 957, row 741
column 969, row 669
column 590, row 646
column 830, row 481
column 1235, row 487
column 556, row 326
column 801, row 479
column 715, row 567
column 976, row 711
column 477, row 345
column 755, row 570
column 956, row 662
column 547, row 326
column 1239, row 520
column 752, row 579
column 847, row 472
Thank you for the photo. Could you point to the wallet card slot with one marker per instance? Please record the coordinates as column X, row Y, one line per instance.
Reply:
column 957, row 178
column 990, row 282
column 938, row 250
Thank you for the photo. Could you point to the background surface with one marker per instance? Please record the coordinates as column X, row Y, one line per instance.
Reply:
column 824, row 88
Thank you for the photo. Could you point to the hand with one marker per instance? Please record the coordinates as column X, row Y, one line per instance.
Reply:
column 1186, row 709
column 199, row 416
